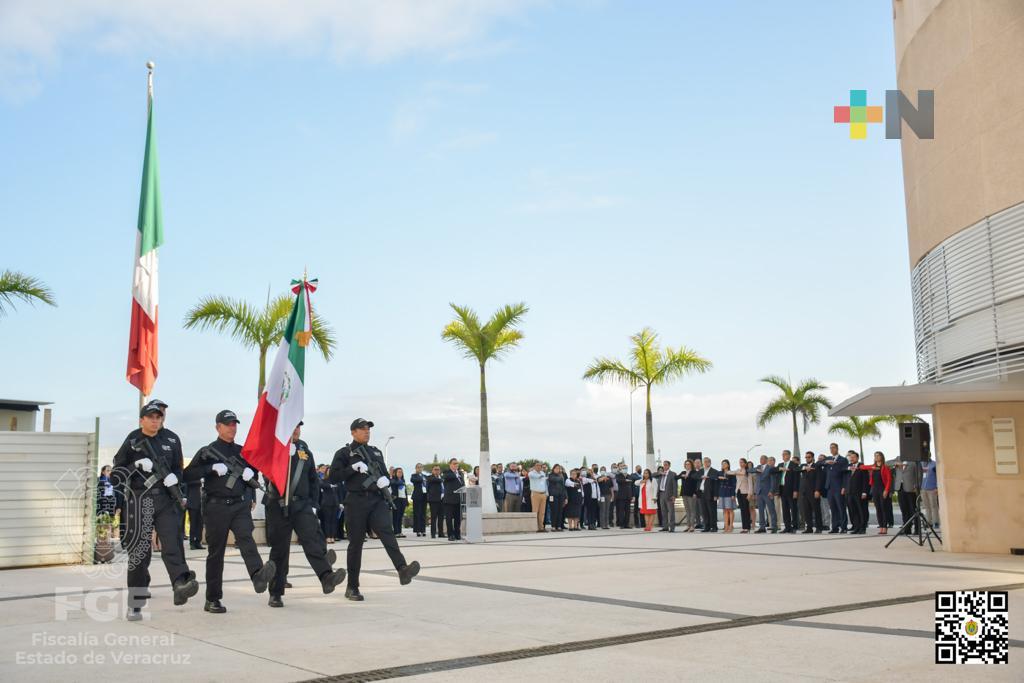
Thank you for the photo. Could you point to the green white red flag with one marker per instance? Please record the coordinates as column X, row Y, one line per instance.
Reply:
column 142, row 340
column 268, row 444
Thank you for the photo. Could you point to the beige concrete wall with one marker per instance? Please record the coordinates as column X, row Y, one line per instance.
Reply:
column 971, row 53
column 981, row 511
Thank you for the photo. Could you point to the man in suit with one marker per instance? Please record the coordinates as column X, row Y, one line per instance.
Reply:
column 857, row 492
column 767, row 478
column 838, row 472
column 453, row 481
column 419, row 501
column 810, row 505
column 623, row 496
column 668, row 488
column 789, row 489
column 905, row 486
column 435, row 499
column 707, row 492
column 821, row 492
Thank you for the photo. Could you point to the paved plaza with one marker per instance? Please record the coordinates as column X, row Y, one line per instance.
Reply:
column 594, row 606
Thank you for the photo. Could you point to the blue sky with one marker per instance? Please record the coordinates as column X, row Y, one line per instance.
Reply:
column 612, row 164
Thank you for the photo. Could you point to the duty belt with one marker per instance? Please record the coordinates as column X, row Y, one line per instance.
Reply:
column 226, row 501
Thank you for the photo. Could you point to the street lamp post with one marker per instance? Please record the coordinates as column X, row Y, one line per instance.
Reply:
column 631, row 465
column 386, row 444
column 750, row 449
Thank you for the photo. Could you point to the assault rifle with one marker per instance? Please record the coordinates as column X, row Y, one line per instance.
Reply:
column 160, row 471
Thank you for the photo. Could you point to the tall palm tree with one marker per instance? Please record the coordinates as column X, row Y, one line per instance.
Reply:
column 482, row 342
column 15, row 286
column 254, row 328
column 804, row 400
column 649, row 366
column 859, row 428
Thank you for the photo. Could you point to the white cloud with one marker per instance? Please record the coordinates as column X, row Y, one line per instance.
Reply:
column 33, row 33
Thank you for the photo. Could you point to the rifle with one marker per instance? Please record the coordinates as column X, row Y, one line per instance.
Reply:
column 235, row 465
column 375, row 470
column 160, row 471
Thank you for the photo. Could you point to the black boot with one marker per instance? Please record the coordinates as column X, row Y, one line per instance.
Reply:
column 353, row 594
column 184, row 588
column 263, row 576
column 214, row 607
column 275, row 601
column 406, row 573
column 329, row 581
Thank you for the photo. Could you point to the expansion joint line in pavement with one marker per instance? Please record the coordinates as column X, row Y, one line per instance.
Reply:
column 626, row 639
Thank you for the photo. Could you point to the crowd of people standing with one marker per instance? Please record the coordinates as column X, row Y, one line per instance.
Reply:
column 824, row 492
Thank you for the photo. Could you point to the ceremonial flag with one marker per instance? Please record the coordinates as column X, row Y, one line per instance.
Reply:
column 142, row 340
column 268, row 445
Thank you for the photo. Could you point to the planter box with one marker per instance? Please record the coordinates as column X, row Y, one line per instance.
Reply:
column 509, row 522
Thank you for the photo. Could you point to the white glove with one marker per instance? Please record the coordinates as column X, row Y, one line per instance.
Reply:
column 314, row 510
column 551, row 499
column 170, row 480
column 361, row 467
column 247, row 474
column 144, row 464
column 383, row 483
column 220, row 469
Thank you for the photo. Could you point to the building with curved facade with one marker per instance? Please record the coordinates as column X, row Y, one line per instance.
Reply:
column 965, row 224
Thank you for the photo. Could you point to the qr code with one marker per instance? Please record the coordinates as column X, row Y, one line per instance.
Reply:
column 971, row 627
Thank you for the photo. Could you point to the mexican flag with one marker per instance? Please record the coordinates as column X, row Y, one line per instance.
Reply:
column 142, row 340
column 268, row 444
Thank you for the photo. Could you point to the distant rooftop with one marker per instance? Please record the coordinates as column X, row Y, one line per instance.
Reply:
column 12, row 404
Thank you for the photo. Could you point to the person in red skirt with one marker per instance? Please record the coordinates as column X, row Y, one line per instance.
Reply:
column 648, row 500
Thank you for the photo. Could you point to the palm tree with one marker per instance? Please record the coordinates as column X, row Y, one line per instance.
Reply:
column 482, row 342
column 859, row 428
column 16, row 286
column 804, row 401
column 649, row 366
column 258, row 329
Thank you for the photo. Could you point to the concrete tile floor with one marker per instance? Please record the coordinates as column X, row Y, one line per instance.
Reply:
column 627, row 605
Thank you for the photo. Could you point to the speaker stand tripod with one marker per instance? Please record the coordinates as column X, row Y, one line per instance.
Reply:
column 925, row 530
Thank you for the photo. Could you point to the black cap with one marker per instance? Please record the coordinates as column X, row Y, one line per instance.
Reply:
column 150, row 408
column 359, row 423
column 301, row 423
column 157, row 402
column 226, row 417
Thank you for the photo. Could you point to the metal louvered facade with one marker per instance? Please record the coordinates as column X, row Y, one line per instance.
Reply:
column 969, row 303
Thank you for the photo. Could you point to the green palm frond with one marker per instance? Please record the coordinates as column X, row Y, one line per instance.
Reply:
column 804, row 400
column 857, row 428
column 222, row 314
column 15, row 286
column 611, row 370
column 649, row 365
column 484, row 342
column 676, row 363
column 773, row 410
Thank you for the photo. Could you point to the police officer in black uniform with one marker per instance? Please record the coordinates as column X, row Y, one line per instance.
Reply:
column 295, row 510
column 151, row 504
column 365, row 504
column 227, row 508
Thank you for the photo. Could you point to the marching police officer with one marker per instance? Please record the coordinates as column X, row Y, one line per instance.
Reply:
column 295, row 510
column 147, row 468
column 227, row 508
column 362, row 469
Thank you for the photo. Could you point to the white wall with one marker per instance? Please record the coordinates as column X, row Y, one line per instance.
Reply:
column 26, row 420
column 47, row 498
